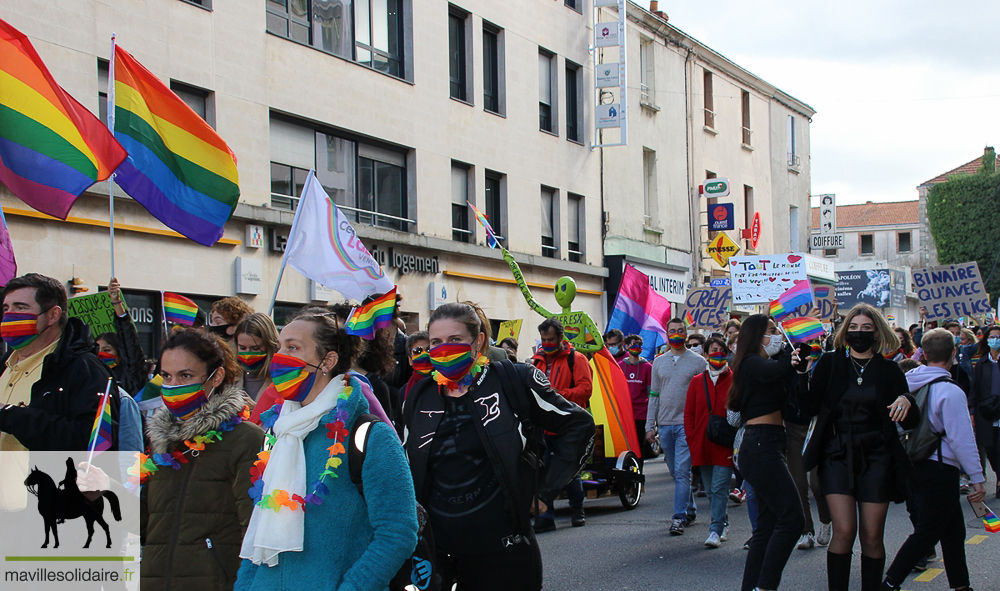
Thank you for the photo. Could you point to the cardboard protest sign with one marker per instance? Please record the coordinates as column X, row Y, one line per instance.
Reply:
column 509, row 328
column 760, row 279
column 951, row 291
column 95, row 310
column 708, row 306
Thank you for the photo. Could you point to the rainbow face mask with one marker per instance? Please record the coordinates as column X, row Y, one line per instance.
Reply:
column 717, row 360
column 677, row 341
column 109, row 359
column 251, row 360
column 184, row 401
column 290, row 377
column 18, row 330
column 452, row 360
column 637, row 350
column 422, row 363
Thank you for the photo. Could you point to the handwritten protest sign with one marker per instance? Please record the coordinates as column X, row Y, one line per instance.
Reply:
column 95, row 310
column 509, row 328
column 760, row 279
column 708, row 306
column 951, row 291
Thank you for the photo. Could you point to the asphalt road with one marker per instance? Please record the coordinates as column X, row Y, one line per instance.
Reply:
column 620, row 550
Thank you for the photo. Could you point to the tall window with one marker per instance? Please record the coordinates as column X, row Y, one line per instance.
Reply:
column 903, row 243
column 745, row 110
column 457, row 54
column 709, row 100
column 646, row 71
column 574, row 223
column 549, row 223
column 648, row 186
column 496, row 206
column 460, row 231
column 373, row 37
column 546, row 85
column 492, row 68
column 102, row 90
column 382, row 194
column 793, row 158
column 198, row 99
column 573, row 131
column 867, row 244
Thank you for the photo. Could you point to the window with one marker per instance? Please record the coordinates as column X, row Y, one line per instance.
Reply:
column 460, row 227
column 381, row 193
column 867, row 244
column 648, row 186
column 549, row 223
column 495, row 205
column 546, row 84
column 574, row 223
column 793, row 158
column 903, row 243
column 745, row 110
column 573, row 131
column 286, row 185
column 492, row 69
column 574, row 4
column 373, row 37
column 748, row 209
column 203, row 3
column 646, row 71
column 830, row 252
column 457, row 54
column 102, row 90
column 709, row 101
column 199, row 99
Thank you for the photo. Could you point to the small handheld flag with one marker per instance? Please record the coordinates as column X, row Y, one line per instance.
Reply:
column 800, row 294
column 992, row 522
column 491, row 238
column 801, row 330
column 376, row 314
column 178, row 309
column 688, row 318
column 100, row 434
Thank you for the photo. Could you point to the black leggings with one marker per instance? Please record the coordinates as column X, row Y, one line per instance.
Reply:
column 517, row 567
column 779, row 524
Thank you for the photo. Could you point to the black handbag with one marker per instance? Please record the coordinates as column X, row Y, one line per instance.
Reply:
column 990, row 408
column 719, row 431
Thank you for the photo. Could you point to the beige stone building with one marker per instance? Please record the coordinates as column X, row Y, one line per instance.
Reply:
column 405, row 109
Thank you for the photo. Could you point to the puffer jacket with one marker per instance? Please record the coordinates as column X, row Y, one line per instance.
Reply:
column 194, row 518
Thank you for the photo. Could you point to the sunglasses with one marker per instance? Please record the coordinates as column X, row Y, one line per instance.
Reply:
column 418, row 350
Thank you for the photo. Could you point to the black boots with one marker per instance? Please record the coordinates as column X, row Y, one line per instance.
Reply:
column 838, row 571
column 872, row 570
column 579, row 519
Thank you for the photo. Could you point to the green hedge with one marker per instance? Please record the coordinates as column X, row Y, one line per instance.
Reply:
column 964, row 217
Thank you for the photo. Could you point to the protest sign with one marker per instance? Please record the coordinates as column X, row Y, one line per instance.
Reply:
column 951, row 291
column 760, row 279
column 708, row 306
column 509, row 329
column 95, row 310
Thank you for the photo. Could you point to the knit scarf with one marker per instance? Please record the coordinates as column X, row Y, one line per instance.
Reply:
column 272, row 532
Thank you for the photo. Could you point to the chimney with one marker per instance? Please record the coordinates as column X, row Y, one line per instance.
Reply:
column 654, row 7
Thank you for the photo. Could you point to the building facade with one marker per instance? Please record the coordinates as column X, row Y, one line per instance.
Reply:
column 404, row 108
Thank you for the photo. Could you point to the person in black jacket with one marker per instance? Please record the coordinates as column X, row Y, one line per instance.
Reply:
column 120, row 350
column 983, row 395
column 465, row 439
column 858, row 397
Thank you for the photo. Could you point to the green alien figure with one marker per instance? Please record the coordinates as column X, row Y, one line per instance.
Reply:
column 580, row 329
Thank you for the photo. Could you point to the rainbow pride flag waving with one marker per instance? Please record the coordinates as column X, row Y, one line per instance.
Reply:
column 178, row 309
column 491, row 237
column 51, row 147
column 100, row 434
column 803, row 329
column 798, row 295
column 178, row 167
column 376, row 314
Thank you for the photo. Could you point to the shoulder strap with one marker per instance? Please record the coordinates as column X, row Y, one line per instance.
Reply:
column 357, row 447
column 708, row 399
column 570, row 362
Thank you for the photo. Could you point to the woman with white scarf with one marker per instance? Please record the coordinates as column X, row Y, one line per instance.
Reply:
column 311, row 528
column 707, row 395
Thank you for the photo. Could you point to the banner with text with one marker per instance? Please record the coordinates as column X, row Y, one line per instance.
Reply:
column 952, row 291
column 708, row 306
column 760, row 279
column 95, row 310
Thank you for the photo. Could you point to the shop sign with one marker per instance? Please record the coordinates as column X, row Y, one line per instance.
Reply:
column 405, row 261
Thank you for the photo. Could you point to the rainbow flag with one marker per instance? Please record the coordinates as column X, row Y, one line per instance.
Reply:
column 799, row 294
column 149, row 397
column 491, row 237
column 178, row 167
column 688, row 318
column 991, row 522
column 100, row 434
column 376, row 314
column 178, row 309
column 802, row 329
column 51, row 147
column 611, row 406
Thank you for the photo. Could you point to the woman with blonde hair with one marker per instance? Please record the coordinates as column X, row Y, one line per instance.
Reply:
column 256, row 343
column 858, row 397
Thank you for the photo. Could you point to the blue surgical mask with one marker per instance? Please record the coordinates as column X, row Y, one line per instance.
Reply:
column 994, row 343
column 614, row 349
column 958, row 340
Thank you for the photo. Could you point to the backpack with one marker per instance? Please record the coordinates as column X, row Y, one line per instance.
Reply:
column 420, row 569
column 922, row 441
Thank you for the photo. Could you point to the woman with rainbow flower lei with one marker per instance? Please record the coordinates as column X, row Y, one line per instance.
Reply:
column 311, row 528
column 194, row 508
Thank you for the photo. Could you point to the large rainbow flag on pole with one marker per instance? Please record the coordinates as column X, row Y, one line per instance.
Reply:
column 51, row 147
column 178, row 167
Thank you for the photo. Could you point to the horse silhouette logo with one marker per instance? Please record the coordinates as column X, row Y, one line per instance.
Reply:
column 56, row 504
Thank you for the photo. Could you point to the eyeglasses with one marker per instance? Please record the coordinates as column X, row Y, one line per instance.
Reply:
column 675, row 331
column 418, row 350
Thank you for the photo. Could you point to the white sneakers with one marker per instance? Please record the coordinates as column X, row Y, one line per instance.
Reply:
column 713, row 541
column 825, row 534
column 806, row 542
column 725, row 534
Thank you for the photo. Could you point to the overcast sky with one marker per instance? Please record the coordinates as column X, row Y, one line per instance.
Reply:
column 904, row 90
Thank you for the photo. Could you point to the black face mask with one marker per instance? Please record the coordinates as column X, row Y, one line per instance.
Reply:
column 860, row 340
column 220, row 330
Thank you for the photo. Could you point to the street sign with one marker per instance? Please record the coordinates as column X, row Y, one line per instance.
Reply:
column 718, row 187
column 825, row 241
column 606, row 75
column 721, row 248
column 828, row 215
column 608, row 116
column 720, row 217
column 720, row 282
column 755, row 230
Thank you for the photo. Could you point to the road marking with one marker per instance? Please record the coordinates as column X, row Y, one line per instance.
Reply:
column 976, row 540
column 929, row 575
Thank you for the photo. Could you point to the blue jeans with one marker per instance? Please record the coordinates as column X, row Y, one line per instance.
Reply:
column 751, row 504
column 678, row 458
column 716, row 479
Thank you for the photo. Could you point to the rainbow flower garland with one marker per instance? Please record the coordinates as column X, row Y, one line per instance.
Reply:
column 147, row 464
column 336, row 429
column 465, row 381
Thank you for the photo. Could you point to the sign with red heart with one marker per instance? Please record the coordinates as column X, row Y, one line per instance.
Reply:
column 760, row 279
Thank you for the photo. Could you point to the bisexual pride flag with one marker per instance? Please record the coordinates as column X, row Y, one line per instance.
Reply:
column 640, row 310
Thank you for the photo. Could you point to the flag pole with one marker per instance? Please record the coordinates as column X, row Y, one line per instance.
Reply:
column 111, row 128
column 100, row 413
column 291, row 236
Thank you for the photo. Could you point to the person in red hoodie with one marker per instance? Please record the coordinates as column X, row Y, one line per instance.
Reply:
column 715, row 461
column 569, row 373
